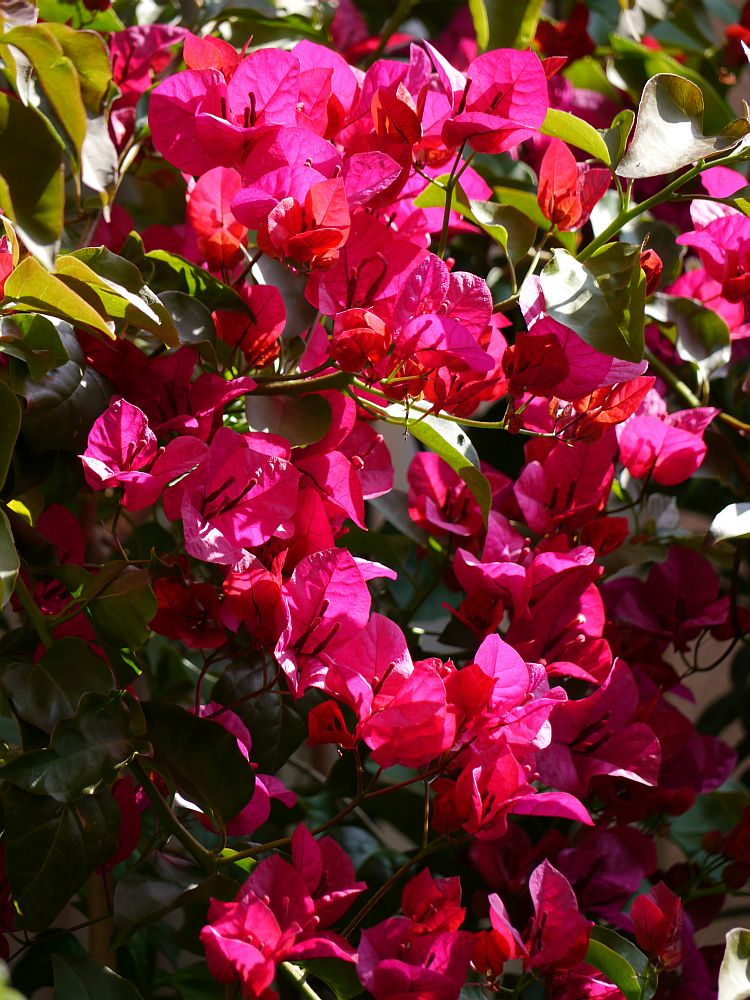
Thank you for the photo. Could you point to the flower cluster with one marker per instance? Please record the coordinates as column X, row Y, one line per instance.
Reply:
column 488, row 655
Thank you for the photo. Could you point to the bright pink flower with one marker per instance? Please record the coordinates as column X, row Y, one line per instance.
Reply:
column 328, row 873
column 599, row 736
column 667, row 446
column 558, row 937
column 395, row 964
column 122, row 451
column 328, row 603
column 567, row 485
column 440, row 501
column 568, row 191
column 490, row 786
column 272, row 919
column 724, row 248
column 504, row 102
column 237, row 498
column 410, row 724
column 678, row 599
column 659, row 919
column 433, row 905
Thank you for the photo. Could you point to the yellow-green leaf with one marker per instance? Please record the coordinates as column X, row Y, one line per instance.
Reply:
column 32, row 289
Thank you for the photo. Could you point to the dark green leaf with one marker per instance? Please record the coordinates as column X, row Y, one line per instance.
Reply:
column 33, row 289
column 669, row 129
column 84, row 751
column 52, row 848
column 340, row 976
column 500, row 25
column 602, row 300
column 278, row 725
column 150, row 891
column 62, row 406
column 615, row 967
column 192, row 319
column 202, row 758
column 576, row 132
column 10, row 423
column 9, row 564
column 31, row 181
column 299, row 419
column 122, row 611
column 45, row 692
column 81, row 978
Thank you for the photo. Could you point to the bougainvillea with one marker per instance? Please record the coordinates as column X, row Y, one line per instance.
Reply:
column 373, row 466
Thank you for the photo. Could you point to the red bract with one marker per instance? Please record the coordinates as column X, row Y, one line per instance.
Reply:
column 567, row 38
column 658, row 919
column 568, row 191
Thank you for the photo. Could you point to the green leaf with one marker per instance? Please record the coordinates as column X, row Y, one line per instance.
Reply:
column 31, row 180
column 300, row 419
column 514, row 231
column 452, row 443
column 9, row 564
column 150, row 891
column 731, row 522
column 734, row 974
column 120, row 288
column 341, row 977
column 121, row 612
column 192, row 320
column 603, row 300
column 45, row 692
column 56, row 74
column 52, row 848
column 81, row 978
column 173, row 273
column 622, row 962
column 700, row 336
column 503, row 25
column 576, row 132
column 478, row 11
column 84, row 751
column 33, row 289
column 669, row 129
column 202, row 758
column 88, row 53
column 10, row 424
column 616, row 136
column 32, row 339
column 278, row 724
column 62, row 406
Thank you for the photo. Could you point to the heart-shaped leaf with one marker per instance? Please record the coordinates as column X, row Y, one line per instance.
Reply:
column 669, row 129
